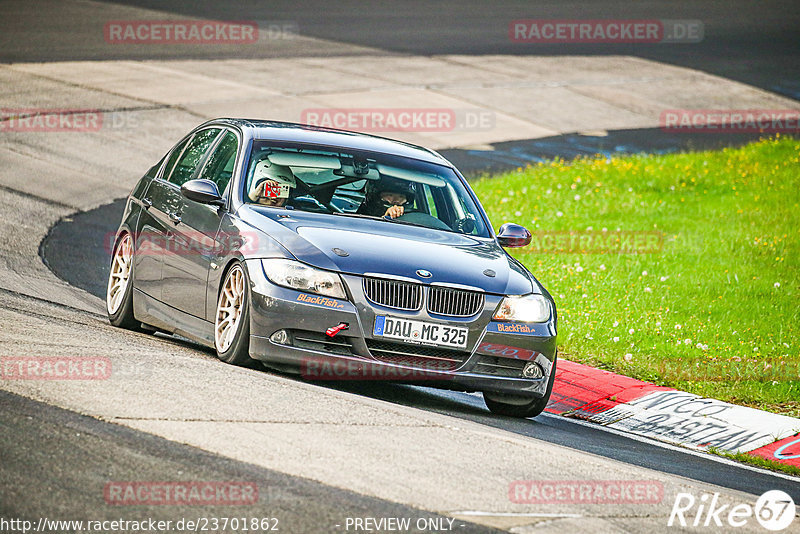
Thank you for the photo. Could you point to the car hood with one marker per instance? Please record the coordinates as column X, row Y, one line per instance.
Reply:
column 362, row 246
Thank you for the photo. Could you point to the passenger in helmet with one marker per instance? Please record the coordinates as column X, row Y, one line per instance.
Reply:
column 387, row 197
column 272, row 184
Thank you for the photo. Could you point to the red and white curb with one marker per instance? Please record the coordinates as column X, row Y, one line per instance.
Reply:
column 673, row 416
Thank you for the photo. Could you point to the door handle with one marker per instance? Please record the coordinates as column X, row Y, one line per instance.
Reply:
column 175, row 217
column 147, row 203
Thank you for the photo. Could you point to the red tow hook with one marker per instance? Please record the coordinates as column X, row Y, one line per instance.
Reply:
column 332, row 331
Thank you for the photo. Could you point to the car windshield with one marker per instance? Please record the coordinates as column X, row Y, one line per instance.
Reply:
column 364, row 184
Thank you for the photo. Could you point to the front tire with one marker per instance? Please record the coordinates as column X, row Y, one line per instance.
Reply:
column 232, row 319
column 119, row 293
column 517, row 406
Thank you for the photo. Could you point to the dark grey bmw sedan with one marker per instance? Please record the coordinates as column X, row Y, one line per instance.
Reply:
column 336, row 255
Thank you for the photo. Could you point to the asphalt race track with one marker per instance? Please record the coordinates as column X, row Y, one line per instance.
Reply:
column 56, row 460
column 752, row 42
column 322, row 453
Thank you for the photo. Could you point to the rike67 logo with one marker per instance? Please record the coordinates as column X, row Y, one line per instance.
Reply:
column 774, row 510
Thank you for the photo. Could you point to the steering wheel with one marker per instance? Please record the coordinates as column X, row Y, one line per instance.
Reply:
column 331, row 206
column 465, row 225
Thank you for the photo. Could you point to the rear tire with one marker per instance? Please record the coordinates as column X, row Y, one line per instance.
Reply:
column 232, row 318
column 518, row 406
column 119, row 293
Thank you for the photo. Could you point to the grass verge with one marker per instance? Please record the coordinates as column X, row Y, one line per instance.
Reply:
column 757, row 461
column 706, row 299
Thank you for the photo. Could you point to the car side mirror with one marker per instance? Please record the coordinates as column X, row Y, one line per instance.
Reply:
column 513, row 235
column 203, row 191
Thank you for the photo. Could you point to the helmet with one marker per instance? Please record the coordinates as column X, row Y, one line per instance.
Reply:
column 386, row 184
column 281, row 174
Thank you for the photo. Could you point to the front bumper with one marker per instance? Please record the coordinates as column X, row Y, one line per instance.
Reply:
column 492, row 361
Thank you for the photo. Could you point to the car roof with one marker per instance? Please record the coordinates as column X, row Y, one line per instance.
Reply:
column 317, row 135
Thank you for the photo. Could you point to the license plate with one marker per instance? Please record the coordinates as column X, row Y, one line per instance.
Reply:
column 420, row 332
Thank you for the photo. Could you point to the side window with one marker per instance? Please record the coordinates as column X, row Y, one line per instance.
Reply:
column 219, row 166
column 174, row 157
column 429, row 201
column 192, row 156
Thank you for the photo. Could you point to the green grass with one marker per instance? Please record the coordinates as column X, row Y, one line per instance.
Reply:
column 715, row 311
column 757, row 461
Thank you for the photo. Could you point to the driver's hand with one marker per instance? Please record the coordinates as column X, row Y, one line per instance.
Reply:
column 394, row 212
column 259, row 194
column 261, row 189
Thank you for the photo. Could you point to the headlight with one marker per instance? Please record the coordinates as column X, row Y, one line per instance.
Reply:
column 525, row 309
column 295, row 275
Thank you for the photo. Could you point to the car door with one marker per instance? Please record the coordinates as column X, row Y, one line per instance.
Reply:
column 167, row 200
column 196, row 235
column 151, row 240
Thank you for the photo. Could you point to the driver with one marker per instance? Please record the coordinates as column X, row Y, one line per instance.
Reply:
column 272, row 184
column 387, row 197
